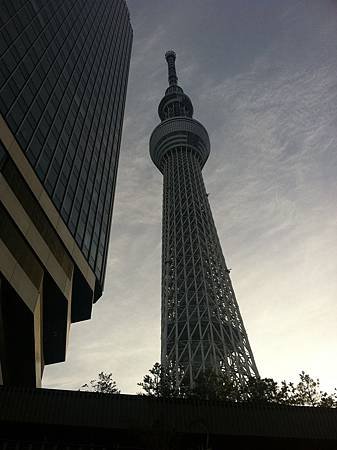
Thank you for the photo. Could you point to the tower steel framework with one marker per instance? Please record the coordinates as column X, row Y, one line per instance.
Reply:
column 201, row 325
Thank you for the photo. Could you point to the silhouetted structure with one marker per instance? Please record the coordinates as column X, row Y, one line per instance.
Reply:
column 44, row 419
column 201, row 323
column 63, row 76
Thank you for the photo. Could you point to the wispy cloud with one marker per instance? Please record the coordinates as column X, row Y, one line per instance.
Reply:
column 262, row 80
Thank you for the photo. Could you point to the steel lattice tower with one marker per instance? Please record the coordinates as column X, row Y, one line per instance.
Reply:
column 201, row 323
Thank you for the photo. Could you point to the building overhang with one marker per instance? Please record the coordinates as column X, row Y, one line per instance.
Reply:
column 42, row 264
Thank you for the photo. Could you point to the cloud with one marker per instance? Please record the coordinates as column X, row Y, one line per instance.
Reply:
column 262, row 80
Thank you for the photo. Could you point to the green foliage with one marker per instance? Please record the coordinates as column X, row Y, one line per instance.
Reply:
column 105, row 384
column 308, row 393
column 212, row 386
column 161, row 382
column 264, row 390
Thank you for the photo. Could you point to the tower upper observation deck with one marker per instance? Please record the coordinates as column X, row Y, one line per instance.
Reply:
column 177, row 127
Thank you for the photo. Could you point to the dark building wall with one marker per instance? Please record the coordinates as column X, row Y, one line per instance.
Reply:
column 54, row 419
column 63, row 77
column 63, row 74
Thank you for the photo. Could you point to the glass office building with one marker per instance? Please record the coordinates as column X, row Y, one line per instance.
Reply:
column 63, row 77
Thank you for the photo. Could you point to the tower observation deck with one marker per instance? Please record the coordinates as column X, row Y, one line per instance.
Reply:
column 201, row 326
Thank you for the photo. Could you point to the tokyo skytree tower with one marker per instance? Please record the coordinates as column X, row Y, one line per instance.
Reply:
column 201, row 326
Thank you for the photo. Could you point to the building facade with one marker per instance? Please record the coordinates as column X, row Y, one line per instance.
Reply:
column 202, row 328
column 63, row 78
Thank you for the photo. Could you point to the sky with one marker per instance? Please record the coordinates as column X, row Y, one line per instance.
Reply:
column 262, row 78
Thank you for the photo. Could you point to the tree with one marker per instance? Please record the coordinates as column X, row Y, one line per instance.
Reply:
column 214, row 386
column 105, row 384
column 161, row 382
column 307, row 393
column 263, row 390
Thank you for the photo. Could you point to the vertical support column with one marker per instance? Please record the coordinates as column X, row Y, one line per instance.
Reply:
column 20, row 340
